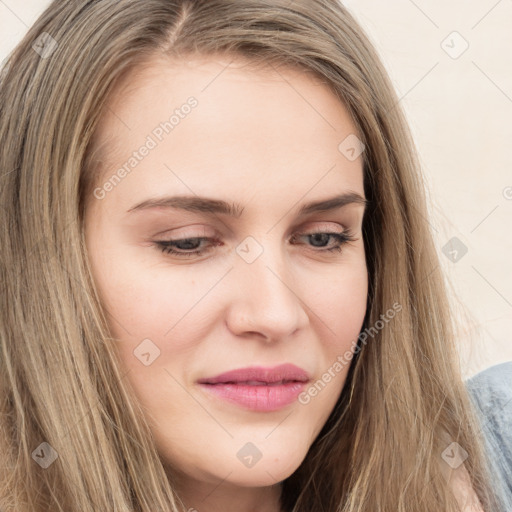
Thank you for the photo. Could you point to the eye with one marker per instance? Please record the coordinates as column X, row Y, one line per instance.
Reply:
column 319, row 237
column 189, row 247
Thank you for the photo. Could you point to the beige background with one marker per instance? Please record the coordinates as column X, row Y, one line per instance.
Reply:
column 451, row 63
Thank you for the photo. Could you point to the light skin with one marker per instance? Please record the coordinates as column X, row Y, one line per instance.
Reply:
column 268, row 141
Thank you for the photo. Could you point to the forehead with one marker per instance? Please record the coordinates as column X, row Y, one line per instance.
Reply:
column 275, row 125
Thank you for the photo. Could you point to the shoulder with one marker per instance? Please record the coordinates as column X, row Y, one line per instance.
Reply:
column 491, row 393
column 494, row 383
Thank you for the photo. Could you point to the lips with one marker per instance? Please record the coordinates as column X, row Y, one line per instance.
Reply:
column 260, row 376
column 256, row 388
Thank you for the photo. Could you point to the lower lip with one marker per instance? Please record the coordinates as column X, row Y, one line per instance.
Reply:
column 257, row 398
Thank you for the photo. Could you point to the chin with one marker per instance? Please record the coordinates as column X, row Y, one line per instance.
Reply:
column 262, row 475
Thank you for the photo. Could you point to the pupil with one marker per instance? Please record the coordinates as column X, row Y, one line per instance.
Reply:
column 319, row 237
column 191, row 243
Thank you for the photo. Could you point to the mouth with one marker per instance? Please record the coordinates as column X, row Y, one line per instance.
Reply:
column 258, row 389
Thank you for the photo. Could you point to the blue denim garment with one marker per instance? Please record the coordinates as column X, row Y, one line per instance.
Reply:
column 491, row 392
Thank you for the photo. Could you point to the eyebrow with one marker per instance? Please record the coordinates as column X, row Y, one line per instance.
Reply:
column 217, row 206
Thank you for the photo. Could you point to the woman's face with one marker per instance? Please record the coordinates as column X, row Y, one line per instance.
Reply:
column 264, row 290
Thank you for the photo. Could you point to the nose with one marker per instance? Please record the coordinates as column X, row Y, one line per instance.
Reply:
column 265, row 302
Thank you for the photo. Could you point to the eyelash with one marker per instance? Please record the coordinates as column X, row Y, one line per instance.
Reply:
column 167, row 245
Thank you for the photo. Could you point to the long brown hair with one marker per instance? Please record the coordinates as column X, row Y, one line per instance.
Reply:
column 404, row 400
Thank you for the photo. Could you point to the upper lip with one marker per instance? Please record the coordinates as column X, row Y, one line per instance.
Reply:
column 283, row 372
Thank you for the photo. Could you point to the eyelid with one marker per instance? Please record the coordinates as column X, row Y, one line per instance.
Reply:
column 319, row 226
column 201, row 230
column 187, row 232
column 196, row 230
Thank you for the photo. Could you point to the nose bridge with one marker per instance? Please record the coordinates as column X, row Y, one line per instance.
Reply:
column 266, row 301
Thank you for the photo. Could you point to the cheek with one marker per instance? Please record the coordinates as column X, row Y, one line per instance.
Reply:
column 157, row 310
column 141, row 299
column 338, row 302
column 339, row 308
column 137, row 304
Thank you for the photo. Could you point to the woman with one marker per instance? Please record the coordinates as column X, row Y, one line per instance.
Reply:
column 220, row 290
